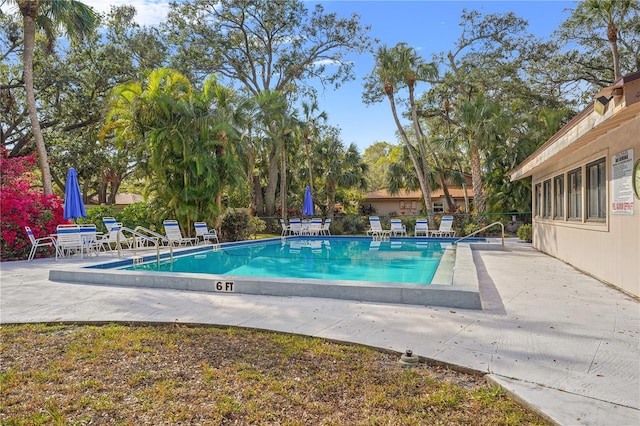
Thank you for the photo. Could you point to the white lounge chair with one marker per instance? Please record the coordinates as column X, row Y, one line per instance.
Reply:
column 36, row 243
column 174, row 234
column 422, row 228
column 208, row 235
column 110, row 222
column 114, row 238
column 397, row 228
column 446, row 228
column 376, row 230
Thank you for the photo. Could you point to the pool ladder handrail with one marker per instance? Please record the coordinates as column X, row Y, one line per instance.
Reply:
column 482, row 229
column 138, row 244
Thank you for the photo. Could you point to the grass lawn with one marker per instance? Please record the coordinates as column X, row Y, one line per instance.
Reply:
column 170, row 374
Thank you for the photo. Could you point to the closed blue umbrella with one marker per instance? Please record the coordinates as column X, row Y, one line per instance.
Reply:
column 73, row 205
column 307, row 206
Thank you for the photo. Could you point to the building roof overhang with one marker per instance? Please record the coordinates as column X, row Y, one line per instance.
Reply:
column 594, row 121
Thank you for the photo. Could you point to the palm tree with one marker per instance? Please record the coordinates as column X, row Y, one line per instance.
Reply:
column 609, row 11
column 338, row 167
column 281, row 128
column 479, row 125
column 184, row 140
column 75, row 19
column 394, row 69
column 310, row 132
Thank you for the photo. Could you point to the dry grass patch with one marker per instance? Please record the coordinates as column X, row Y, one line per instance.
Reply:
column 163, row 374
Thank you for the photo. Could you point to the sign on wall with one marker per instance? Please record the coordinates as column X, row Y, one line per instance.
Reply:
column 621, row 185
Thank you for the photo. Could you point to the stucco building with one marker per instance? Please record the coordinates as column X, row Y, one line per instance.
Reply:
column 585, row 211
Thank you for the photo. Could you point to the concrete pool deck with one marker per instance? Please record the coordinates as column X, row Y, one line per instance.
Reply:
column 561, row 342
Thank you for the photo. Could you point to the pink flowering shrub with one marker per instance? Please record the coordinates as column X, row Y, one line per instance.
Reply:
column 23, row 205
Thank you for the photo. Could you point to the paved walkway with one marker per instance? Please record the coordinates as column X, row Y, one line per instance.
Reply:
column 562, row 342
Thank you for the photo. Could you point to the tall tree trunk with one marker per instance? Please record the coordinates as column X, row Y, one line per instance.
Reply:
column 309, row 168
column 331, row 197
column 612, row 36
column 422, row 144
column 29, row 11
column 283, row 180
column 476, row 180
column 424, row 184
column 257, row 194
column 272, row 183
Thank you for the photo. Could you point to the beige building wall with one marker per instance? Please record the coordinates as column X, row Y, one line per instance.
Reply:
column 608, row 250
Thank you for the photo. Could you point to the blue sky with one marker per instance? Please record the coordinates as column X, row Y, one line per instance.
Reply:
column 428, row 26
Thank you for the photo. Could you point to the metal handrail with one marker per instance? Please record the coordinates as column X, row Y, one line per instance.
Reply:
column 149, row 232
column 480, row 230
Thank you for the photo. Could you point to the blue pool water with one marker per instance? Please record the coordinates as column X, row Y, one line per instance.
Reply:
column 338, row 258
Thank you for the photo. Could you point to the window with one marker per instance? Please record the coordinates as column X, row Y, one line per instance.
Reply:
column 597, row 190
column 438, row 207
column 546, row 191
column 574, row 181
column 538, row 199
column 558, row 192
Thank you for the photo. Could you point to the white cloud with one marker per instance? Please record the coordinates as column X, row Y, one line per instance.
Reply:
column 326, row 62
column 149, row 12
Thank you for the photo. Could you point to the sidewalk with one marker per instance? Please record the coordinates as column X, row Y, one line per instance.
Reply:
column 560, row 341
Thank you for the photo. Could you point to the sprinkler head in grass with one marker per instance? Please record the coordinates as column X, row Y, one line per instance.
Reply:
column 408, row 359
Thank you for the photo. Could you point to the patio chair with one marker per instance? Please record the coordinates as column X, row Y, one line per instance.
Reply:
column 110, row 222
column 174, row 234
column 295, row 226
column 397, row 228
column 114, row 239
column 90, row 244
column 445, row 229
column 325, row 227
column 422, row 227
column 315, row 226
column 69, row 240
column 375, row 229
column 208, row 235
column 36, row 243
column 286, row 230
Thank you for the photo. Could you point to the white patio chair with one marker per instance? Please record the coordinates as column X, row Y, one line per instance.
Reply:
column 422, row 227
column 315, row 226
column 89, row 236
column 114, row 239
column 69, row 240
column 36, row 243
column 445, row 229
column 286, row 230
column 325, row 227
column 174, row 234
column 110, row 222
column 208, row 235
column 397, row 228
column 295, row 226
column 376, row 230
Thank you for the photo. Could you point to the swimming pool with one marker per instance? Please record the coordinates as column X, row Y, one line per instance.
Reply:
column 453, row 284
column 353, row 259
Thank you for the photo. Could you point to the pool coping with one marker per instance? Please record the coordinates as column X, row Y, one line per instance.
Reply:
column 462, row 293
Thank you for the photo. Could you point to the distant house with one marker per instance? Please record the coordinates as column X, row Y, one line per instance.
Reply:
column 585, row 211
column 410, row 203
column 122, row 199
